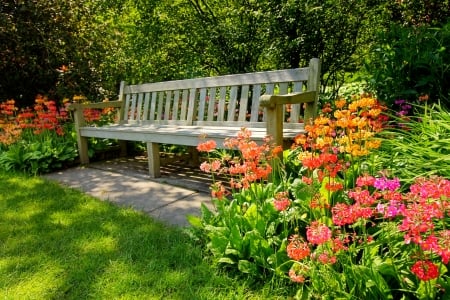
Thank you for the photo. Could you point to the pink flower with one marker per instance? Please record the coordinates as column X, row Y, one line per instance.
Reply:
column 318, row 233
column 296, row 277
column 387, row 184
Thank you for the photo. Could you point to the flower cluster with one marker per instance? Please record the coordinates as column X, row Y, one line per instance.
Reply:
column 45, row 115
column 252, row 165
column 420, row 214
column 349, row 130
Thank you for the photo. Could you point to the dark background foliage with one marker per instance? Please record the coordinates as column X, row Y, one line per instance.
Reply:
column 63, row 48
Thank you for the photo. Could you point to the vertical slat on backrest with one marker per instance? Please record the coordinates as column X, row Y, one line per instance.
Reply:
column 146, row 106
column 243, row 103
column 211, row 104
column 126, row 112
column 184, row 104
column 202, row 105
column 296, row 108
column 255, row 103
column 176, row 104
column 139, row 106
column 191, row 106
column 232, row 104
column 269, row 89
column 133, row 107
column 159, row 106
column 221, row 108
column 167, row 107
column 153, row 106
column 283, row 90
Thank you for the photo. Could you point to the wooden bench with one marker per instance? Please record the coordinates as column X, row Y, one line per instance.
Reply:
column 187, row 112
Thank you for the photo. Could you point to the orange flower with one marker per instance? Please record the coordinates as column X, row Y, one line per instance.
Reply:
column 340, row 103
column 207, row 146
column 297, row 249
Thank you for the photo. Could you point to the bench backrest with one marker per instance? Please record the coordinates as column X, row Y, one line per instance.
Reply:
column 230, row 100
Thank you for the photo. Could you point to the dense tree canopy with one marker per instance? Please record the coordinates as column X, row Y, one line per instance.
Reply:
column 68, row 47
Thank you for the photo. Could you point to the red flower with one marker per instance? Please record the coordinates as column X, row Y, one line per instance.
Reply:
column 425, row 270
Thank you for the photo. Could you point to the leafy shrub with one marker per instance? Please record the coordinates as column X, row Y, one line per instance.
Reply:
column 408, row 62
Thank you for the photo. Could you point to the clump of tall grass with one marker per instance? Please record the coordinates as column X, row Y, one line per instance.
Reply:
column 418, row 146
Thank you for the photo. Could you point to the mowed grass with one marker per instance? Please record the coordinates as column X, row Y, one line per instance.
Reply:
column 57, row 243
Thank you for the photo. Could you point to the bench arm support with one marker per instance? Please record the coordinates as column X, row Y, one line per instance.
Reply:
column 274, row 109
column 79, row 121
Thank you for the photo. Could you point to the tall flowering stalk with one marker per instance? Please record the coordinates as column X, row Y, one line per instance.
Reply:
column 252, row 164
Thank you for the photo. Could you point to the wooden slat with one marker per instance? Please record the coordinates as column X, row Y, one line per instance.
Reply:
column 184, row 104
column 139, row 108
column 176, row 104
column 153, row 106
column 243, row 103
column 167, row 115
column 295, row 108
column 283, row 90
column 269, row 88
column 202, row 105
column 159, row 106
column 254, row 114
column 211, row 104
column 232, row 104
column 133, row 107
column 146, row 106
column 126, row 109
column 191, row 106
column 221, row 104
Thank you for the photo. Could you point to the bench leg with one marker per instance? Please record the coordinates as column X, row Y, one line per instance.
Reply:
column 194, row 158
column 153, row 159
column 123, row 148
column 83, row 150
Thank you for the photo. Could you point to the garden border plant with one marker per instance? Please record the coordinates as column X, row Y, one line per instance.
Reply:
column 333, row 222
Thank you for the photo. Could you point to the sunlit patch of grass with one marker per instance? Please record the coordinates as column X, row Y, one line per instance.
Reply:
column 57, row 243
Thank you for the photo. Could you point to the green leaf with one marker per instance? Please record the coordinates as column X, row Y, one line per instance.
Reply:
column 247, row 267
column 194, row 221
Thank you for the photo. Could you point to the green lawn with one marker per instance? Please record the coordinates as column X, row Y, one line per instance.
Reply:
column 57, row 243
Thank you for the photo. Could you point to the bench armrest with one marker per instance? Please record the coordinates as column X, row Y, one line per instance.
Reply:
column 274, row 109
column 293, row 98
column 97, row 105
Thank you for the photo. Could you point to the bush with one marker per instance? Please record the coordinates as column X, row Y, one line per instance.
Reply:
column 408, row 62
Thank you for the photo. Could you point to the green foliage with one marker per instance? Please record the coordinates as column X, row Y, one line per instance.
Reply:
column 418, row 146
column 411, row 61
column 39, row 153
column 59, row 47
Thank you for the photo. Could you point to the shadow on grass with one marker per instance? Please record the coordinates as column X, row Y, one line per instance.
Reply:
column 59, row 243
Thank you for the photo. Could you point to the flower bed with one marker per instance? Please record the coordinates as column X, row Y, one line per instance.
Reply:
column 327, row 217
